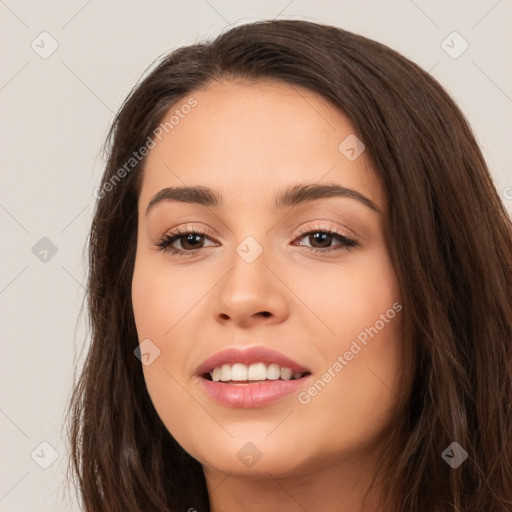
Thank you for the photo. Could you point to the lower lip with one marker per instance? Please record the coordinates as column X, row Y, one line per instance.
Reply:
column 258, row 394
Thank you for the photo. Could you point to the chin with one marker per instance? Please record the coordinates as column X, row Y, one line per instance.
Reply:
column 252, row 456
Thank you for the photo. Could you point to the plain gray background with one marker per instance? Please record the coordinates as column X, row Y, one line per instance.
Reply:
column 55, row 112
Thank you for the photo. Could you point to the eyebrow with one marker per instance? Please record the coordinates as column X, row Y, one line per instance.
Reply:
column 292, row 196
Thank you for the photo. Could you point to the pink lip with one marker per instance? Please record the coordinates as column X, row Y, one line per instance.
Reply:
column 256, row 394
column 248, row 356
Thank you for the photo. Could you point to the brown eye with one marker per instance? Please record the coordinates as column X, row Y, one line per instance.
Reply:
column 322, row 240
column 190, row 242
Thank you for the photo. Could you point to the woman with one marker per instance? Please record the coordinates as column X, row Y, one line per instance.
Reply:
column 300, row 289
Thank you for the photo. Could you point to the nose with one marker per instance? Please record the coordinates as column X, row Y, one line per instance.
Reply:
column 251, row 293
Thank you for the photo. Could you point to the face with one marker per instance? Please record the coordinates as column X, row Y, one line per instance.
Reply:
column 292, row 283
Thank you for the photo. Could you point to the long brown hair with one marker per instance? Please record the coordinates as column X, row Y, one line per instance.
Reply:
column 449, row 236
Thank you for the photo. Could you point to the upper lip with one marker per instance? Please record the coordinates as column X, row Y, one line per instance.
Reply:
column 249, row 356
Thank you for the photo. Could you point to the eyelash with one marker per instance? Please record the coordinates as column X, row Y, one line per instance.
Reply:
column 164, row 244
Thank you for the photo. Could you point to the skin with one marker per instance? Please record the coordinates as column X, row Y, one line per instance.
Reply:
column 250, row 141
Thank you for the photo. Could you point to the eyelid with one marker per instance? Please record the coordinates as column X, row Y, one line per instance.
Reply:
column 319, row 225
column 187, row 228
column 162, row 243
column 325, row 225
column 348, row 242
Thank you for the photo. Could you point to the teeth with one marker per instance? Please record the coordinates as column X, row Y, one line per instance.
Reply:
column 286, row 373
column 254, row 372
column 216, row 374
column 273, row 371
column 225, row 372
column 239, row 372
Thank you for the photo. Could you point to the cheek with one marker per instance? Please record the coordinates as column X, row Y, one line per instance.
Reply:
column 161, row 297
column 182, row 414
column 144, row 299
column 356, row 389
column 161, row 302
column 347, row 300
column 354, row 398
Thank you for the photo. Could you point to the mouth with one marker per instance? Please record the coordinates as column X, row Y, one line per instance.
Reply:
column 251, row 377
column 239, row 373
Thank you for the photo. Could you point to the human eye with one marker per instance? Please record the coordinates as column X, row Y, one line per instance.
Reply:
column 191, row 240
column 184, row 236
column 323, row 237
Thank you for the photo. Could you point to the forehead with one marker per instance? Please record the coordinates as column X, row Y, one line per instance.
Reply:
column 248, row 137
